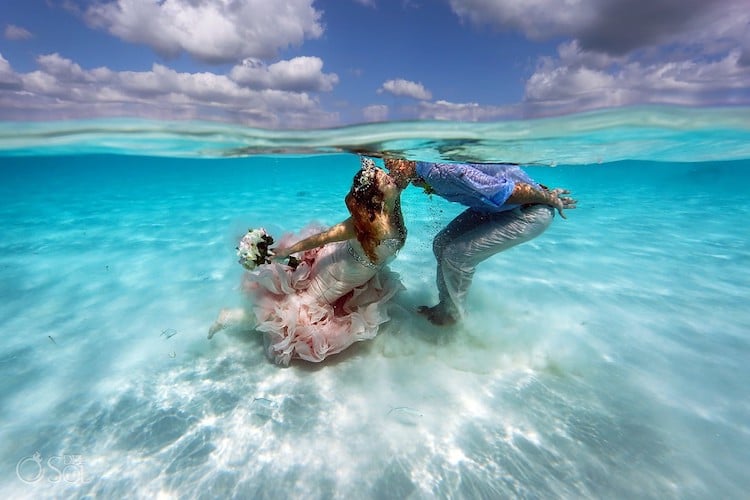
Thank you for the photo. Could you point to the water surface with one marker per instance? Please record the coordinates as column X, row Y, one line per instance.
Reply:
column 605, row 359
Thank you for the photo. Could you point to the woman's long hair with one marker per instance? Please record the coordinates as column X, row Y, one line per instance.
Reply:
column 364, row 201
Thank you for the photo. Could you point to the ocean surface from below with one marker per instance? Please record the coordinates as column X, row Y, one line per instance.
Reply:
column 606, row 358
column 656, row 133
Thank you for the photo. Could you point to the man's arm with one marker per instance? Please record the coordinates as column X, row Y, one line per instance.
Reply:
column 526, row 193
column 404, row 171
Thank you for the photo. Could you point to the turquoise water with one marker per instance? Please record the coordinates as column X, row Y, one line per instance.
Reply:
column 605, row 359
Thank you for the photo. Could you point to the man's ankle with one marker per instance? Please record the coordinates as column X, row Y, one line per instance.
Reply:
column 437, row 315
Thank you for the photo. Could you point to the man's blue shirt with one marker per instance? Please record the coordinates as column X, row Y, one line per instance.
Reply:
column 483, row 187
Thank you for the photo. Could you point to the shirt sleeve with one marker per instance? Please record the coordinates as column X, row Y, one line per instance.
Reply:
column 493, row 190
column 471, row 185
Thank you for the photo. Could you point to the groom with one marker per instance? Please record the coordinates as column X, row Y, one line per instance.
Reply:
column 505, row 207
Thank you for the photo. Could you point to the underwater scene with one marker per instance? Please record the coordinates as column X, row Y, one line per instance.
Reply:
column 605, row 358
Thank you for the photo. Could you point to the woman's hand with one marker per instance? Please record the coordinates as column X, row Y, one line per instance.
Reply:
column 280, row 253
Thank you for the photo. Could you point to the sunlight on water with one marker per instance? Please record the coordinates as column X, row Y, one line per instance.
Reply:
column 605, row 359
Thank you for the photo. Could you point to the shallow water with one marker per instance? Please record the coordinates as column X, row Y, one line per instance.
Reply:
column 605, row 359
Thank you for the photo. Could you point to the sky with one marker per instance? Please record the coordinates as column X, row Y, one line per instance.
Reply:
column 299, row 64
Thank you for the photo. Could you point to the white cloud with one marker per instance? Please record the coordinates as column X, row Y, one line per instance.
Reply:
column 8, row 78
column 214, row 31
column 60, row 88
column 13, row 32
column 467, row 112
column 375, row 113
column 61, row 68
column 400, row 87
column 627, row 52
column 297, row 74
column 537, row 19
column 622, row 27
column 612, row 26
column 5, row 66
column 571, row 83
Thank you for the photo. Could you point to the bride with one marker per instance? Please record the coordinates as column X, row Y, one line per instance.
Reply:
column 338, row 291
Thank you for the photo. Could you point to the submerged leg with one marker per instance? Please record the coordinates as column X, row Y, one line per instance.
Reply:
column 444, row 313
column 228, row 318
column 481, row 236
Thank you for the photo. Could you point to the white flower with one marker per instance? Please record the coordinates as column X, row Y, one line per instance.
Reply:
column 254, row 248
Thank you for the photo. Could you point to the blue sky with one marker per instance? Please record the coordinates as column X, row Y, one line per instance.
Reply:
column 327, row 63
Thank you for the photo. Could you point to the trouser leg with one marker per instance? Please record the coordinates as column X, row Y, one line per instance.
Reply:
column 473, row 237
column 449, row 238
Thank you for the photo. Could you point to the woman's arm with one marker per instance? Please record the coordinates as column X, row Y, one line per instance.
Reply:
column 340, row 232
column 526, row 193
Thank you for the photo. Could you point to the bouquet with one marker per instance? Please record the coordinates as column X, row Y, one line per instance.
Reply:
column 255, row 248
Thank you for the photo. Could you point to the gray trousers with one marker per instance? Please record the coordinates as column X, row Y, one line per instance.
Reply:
column 473, row 237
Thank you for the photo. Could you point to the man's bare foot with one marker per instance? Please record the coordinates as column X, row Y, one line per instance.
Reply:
column 436, row 315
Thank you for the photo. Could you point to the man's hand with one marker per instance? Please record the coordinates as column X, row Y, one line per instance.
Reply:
column 526, row 193
column 560, row 202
